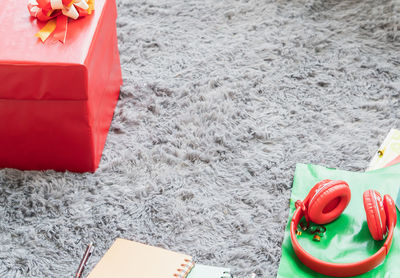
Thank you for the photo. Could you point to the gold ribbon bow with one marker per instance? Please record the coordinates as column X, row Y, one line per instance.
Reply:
column 56, row 13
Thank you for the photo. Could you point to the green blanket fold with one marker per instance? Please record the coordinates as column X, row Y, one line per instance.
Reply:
column 347, row 239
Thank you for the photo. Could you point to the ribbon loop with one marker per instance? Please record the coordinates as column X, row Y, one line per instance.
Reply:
column 70, row 12
column 56, row 4
column 82, row 4
column 56, row 14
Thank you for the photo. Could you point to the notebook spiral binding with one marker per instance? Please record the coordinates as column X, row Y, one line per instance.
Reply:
column 227, row 275
column 185, row 269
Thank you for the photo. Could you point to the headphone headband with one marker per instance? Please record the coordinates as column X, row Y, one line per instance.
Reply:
column 336, row 269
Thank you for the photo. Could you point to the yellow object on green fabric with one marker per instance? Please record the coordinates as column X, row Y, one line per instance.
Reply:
column 347, row 239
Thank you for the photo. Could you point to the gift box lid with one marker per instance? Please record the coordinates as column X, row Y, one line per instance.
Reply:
column 30, row 69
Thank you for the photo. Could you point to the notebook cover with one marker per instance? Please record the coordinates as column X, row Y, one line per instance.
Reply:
column 393, row 162
column 128, row 259
column 388, row 153
column 205, row 271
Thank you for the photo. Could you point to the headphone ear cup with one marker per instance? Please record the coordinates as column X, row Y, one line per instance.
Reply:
column 375, row 212
column 328, row 203
column 390, row 210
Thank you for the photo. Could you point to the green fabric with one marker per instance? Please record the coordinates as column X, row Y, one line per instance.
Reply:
column 347, row 239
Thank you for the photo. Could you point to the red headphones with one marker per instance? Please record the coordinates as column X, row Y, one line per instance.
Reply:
column 325, row 202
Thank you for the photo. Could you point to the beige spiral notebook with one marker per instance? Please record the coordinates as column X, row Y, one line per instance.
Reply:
column 129, row 259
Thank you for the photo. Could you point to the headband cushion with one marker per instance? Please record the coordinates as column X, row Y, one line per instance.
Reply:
column 375, row 211
column 329, row 201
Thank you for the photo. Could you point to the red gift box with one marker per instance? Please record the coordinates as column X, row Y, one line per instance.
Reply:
column 57, row 100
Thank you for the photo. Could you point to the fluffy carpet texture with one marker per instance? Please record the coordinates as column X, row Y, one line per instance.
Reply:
column 220, row 100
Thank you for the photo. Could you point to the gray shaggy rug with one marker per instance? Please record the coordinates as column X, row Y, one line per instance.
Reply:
column 220, row 100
